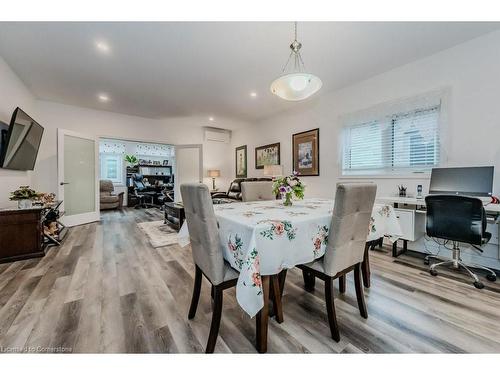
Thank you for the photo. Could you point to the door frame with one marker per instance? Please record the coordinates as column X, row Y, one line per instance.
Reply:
column 87, row 217
column 195, row 145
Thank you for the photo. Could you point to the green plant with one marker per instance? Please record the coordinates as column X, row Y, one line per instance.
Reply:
column 24, row 192
column 131, row 159
column 288, row 186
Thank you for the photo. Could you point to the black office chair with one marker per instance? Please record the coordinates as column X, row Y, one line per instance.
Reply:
column 458, row 219
column 141, row 191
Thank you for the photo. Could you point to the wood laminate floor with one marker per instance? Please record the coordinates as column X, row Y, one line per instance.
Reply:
column 107, row 290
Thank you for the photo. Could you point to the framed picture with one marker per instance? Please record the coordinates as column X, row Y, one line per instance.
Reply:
column 241, row 161
column 267, row 155
column 306, row 152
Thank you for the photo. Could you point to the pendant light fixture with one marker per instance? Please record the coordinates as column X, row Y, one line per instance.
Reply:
column 295, row 84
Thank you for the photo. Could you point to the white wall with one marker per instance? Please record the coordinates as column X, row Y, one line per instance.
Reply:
column 100, row 123
column 51, row 116
column 469, row 70
column 13, row 94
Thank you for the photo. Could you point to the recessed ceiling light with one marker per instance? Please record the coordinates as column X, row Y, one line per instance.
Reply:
column 102, row 46
column 103, row 98
column 253, row 94
column 211, row 119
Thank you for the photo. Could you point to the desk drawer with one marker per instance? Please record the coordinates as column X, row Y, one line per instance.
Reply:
column 407, row 222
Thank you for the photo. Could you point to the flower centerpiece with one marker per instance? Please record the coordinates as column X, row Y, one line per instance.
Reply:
column 288, row 187
column 24, row 196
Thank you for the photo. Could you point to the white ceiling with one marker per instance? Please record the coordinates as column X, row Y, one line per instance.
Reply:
column 175, row 69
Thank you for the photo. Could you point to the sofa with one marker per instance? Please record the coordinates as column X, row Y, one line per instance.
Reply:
column 234, row 191
column 108, row 200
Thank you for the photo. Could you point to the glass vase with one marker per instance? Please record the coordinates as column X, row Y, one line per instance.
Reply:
column 287, row 199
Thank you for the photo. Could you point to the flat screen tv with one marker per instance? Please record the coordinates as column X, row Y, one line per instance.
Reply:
column 19, row 142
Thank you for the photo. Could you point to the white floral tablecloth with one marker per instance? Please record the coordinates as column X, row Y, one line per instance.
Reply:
column 265, row 237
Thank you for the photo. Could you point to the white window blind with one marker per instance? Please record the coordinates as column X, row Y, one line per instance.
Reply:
column 112, row 167
column 402, row 141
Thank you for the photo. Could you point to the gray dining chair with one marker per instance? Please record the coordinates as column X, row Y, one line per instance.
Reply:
column 208, row 257
column 207, row 254
column 257, row 191
column 345, row 248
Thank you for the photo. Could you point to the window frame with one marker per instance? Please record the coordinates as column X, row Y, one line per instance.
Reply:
column 119, row 180
column 388, row 115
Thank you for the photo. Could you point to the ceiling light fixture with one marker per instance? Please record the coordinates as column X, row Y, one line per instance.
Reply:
column 210, row 119
column 295, row 84
column 102, row 46
column 253, row 94
column 103, row 98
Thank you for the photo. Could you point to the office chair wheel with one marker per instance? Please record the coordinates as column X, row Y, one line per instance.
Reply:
column 478, row 284
column 433, row 272
column 491, row 277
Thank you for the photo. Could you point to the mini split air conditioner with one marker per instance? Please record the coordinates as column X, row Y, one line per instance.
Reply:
column 217, row 135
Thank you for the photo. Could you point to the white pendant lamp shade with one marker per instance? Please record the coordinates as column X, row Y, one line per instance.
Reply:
column 296, row 86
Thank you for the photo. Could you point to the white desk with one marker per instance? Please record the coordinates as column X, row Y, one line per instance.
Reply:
column 489, row 207
column 412, row 218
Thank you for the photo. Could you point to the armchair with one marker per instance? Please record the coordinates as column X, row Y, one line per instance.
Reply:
column 108, row 200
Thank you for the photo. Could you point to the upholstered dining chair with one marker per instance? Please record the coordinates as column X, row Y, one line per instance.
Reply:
column 345, row 248
column 208, row 256
column 257, row 191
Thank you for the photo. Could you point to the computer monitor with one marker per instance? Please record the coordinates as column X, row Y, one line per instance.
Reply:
column 472, row 181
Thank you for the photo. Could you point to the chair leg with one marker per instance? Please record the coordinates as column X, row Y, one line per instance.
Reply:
column 330, row 309
column 196, row 293
column 359, row 291
column 365, row 267
column 276, row 295
column 216, row 315
column 342, row 284
column 309, row 281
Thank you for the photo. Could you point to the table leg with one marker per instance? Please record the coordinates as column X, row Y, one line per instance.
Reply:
column 395, row 252
column 277, row 310
column 263, row 317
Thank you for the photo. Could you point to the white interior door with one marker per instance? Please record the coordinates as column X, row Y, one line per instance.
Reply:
column 77, row 158
column 188, row 167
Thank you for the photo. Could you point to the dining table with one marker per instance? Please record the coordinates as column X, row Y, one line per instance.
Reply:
column 261, row 239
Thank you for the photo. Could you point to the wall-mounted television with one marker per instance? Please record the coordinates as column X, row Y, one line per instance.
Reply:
column 20, row 141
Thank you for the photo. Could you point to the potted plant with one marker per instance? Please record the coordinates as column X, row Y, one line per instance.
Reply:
column 24, row 196
column 131, row 160
column 288, row 187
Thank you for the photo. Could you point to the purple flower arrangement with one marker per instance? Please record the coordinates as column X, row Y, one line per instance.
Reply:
column 288, row 187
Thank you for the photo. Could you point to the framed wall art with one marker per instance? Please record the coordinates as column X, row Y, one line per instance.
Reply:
column 267, row 155
column 241, row 161
column 305, row 147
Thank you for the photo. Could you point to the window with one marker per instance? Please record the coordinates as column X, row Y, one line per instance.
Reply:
column 403, row 141
column 112, row 167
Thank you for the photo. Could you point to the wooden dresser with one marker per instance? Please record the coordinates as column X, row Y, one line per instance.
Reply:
column 21, row 234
